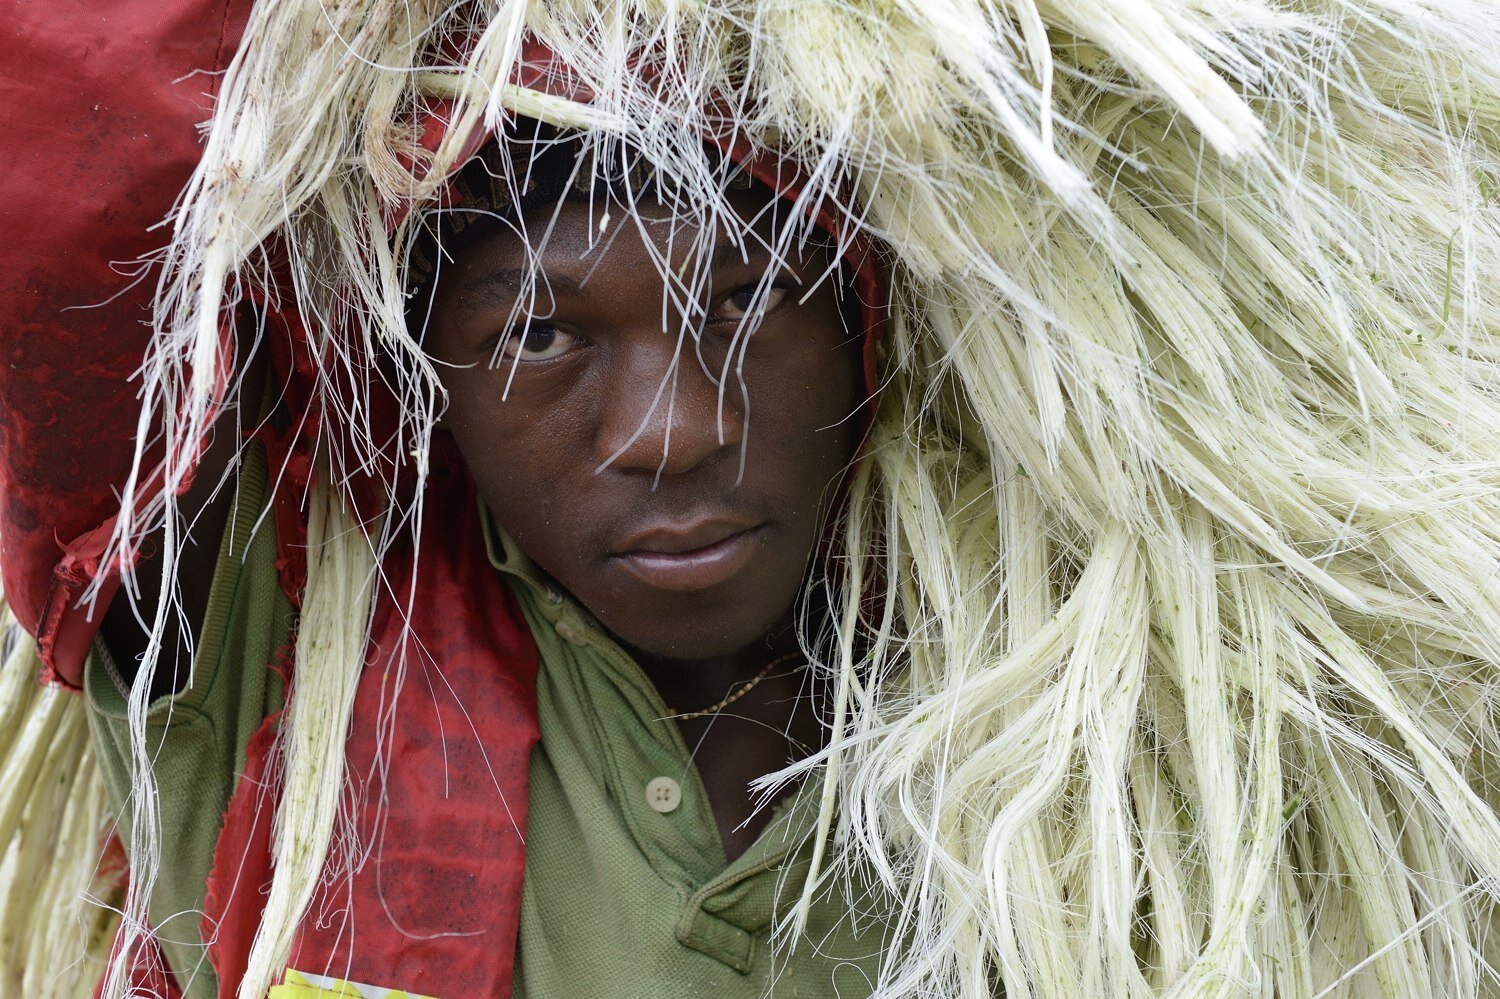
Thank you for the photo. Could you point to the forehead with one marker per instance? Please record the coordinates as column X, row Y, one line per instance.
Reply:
column 748, row 224
column 604, row 246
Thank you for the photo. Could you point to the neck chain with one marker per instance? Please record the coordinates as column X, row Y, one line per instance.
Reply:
column 739, row 692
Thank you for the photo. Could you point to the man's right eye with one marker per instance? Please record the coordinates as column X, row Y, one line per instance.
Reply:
column 536, row 342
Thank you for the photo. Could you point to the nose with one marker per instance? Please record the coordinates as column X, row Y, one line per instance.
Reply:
column 662, row 413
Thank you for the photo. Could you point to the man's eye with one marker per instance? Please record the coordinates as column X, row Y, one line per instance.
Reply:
column 737, row 305
column 536, row 342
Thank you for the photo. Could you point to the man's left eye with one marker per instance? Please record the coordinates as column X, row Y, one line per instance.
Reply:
column 737, row 305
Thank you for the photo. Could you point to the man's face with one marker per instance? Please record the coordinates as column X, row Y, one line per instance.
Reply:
column 606, row 440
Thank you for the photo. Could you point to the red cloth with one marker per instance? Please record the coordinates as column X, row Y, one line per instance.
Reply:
column 148, row 975
column 437, row 786
column 437, row 770
column 99, row 106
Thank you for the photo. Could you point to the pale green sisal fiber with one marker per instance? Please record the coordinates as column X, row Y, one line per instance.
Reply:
column 1168, row 604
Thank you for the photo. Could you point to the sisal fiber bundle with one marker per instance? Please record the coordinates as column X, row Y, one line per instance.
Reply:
column 56, row 915
column 1181, row 503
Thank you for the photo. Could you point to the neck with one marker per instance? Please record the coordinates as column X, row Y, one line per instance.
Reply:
column 766, row 726
column 690, row 685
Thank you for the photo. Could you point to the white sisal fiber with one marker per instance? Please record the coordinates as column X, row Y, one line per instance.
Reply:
column 329, row 653
column 55, row 924
column 1182, row 495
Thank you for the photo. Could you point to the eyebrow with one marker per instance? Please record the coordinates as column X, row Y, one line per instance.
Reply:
column 731, row 252
column 508, row 284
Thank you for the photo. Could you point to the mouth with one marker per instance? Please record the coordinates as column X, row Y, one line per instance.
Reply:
column 692, row 557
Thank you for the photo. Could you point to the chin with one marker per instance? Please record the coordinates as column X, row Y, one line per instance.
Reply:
column 698, row 632
column 689, row 644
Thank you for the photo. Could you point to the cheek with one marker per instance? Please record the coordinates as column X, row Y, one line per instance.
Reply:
column 517, row 455
column 803, row 410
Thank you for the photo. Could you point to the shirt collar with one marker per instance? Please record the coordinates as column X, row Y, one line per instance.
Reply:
column 553, row 601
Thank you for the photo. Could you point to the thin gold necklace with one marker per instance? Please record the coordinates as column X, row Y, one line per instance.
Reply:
column 744, row 689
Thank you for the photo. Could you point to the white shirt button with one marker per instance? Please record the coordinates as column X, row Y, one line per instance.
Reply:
column 663, row 794
column 571, row 630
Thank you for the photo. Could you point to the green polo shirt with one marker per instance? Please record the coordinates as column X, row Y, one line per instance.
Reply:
column 627, row 891
column 624, row 897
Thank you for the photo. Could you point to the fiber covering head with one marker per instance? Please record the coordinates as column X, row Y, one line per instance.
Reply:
column 1161, row 653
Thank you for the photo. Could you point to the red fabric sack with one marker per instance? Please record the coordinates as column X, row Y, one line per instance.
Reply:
column 99, row 107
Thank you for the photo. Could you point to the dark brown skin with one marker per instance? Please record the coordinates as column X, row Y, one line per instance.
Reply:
column 581, row 391
column 580, row 394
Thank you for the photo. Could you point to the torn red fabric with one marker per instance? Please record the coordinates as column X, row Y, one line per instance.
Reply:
column 100, row 106
column 439, row 800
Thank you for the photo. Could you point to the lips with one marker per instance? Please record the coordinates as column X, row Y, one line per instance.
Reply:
column 692, row 556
